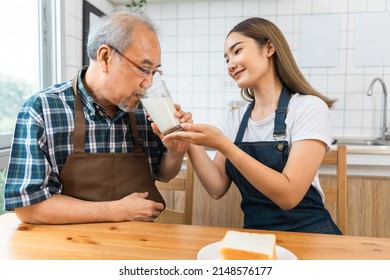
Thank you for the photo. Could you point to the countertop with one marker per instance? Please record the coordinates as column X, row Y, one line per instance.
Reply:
column 361, row 160
column 368, row 150
column 367, row 160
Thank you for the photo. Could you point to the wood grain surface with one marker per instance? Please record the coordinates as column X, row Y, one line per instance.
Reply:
column 137, row 240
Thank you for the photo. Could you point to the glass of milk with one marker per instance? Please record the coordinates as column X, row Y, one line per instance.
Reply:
column 158, row 103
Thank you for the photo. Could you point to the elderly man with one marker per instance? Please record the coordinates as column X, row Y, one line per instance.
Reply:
column 84, row 150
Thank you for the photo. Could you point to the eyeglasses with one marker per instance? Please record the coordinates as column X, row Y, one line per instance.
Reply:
column 143, row 71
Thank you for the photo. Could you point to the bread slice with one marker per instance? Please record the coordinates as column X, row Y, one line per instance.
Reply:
column 237, row 245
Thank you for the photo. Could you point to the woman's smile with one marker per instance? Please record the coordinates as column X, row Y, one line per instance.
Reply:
column 236, row 74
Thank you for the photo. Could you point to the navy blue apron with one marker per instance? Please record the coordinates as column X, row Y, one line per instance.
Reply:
column 260, row 212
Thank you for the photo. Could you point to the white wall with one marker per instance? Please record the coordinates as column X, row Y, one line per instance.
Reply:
column 74, row 32
column 192, row 37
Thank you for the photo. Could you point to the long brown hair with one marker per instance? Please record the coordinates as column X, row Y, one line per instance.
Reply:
column 262, row 30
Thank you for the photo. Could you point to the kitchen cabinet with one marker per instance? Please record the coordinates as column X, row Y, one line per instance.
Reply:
column 368, row 205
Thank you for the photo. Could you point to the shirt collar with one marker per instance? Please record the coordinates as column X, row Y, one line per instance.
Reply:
column 87, row 100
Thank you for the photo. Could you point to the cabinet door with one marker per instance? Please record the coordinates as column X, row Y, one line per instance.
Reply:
column 369, row 206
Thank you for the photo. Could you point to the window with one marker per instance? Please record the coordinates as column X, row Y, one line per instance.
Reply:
column 30, row 59
column 28, row 56
column 2, row 181
column 19, row 56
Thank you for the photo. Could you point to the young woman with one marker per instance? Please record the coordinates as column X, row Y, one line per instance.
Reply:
column 273, row 147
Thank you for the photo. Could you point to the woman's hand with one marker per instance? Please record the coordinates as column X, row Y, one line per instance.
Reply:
column 198, row 134
column 175, row 145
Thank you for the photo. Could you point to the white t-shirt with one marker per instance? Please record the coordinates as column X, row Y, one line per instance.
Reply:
column 307, row 118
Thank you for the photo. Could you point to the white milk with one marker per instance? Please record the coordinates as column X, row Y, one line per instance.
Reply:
column 162, row 112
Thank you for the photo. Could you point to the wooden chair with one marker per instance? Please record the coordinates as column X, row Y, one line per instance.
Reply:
column 335, row 189
column 178, row 195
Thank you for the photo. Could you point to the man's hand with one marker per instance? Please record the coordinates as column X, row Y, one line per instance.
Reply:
column 135, row 207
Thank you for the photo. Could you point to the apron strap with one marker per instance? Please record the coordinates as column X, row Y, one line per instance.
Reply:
column 79, row 120
column 244, row 122
column 280, row 116
column 137, row 140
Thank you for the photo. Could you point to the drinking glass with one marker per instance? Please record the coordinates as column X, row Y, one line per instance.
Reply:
column 159, row 104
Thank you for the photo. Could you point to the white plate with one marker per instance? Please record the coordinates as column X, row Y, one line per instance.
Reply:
column 210, row 252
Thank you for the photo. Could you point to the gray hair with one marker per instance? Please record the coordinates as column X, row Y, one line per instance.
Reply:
column 116, row 29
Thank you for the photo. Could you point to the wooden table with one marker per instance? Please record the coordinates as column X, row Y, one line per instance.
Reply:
column 137, row 240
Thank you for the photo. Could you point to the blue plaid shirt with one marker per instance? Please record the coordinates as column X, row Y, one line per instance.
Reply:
column 43, row 139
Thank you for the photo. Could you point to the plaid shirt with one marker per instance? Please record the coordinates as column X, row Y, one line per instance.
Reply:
column 43, row 139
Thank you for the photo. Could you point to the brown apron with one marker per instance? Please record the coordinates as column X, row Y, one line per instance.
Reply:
column 105, row 176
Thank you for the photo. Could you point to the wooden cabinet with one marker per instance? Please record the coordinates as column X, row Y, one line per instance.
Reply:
column 368, row 206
